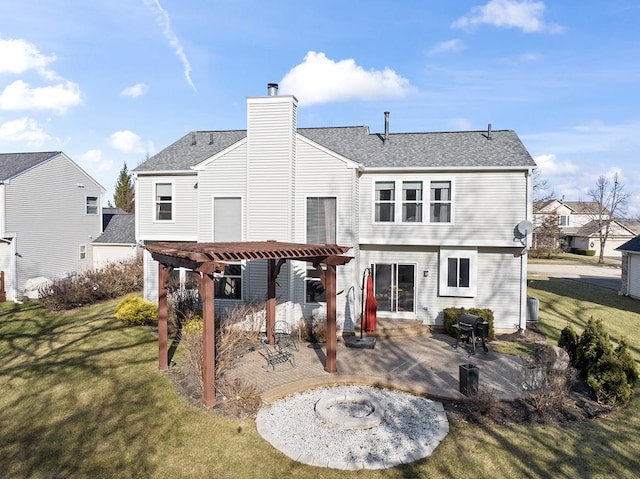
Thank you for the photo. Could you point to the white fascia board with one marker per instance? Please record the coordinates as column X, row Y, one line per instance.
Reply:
column 446, row 244
column 204, row 163
column 408, row 169
column 173, row 237
column 350, row 163
column 166, row 173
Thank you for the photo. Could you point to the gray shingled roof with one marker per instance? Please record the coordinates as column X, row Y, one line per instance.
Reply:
column 120, row 230
column 403, row 150
column 13, row 164
column 632, row 245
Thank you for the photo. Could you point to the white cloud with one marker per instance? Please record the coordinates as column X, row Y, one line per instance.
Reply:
column 20, row 96
column 525, row 14
column 550, row 166
column 319, row 79
column 450, row 46
column 94, row 157
column 462, row 124
column 135, row 91
column 23, row 130
column 126, row 141
column 164, row 22
column 19, row 56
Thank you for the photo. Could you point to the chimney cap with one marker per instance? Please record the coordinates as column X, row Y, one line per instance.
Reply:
column 272, row 89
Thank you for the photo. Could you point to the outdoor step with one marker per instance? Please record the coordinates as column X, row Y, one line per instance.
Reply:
column 388, row 329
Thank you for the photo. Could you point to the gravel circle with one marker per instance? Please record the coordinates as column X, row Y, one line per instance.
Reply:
column 411, row 429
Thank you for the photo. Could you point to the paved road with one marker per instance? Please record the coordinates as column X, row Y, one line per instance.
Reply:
column 604, row 276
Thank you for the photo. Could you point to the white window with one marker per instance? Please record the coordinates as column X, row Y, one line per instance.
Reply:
column 164, row 201
column 563, row 220
column 385, row 203
column 83, row 251
column 91, row 205
column 227, row 219
column 321, row 220
column 412, row 201
column 321, row 229
column 314, row 289
column 458, row 272
column 411, row 206
column 395, row 287
column 440, row 202
column 229, row 284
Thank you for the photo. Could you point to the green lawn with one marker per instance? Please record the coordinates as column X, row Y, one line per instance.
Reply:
column 81, row 397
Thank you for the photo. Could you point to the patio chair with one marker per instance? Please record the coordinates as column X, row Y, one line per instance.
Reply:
column 285, row 338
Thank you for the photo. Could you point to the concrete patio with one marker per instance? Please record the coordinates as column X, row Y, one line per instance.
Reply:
column 425, row 365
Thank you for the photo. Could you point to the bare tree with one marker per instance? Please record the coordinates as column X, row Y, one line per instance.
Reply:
column 541, row 188
column 610, row 201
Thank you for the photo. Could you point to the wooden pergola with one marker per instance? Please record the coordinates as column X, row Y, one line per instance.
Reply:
column 207, row 259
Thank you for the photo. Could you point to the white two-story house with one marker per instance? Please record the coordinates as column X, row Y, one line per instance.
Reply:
column 50, row 212
column 432, row 216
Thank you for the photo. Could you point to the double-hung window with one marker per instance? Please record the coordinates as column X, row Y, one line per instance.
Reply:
column 385, row 203
column 83, row 251
column 229, row 285
column 321, row 229
column 412, row 201
column 440, row 202
column 91, row 205
column 458, row 272
column 164, row 201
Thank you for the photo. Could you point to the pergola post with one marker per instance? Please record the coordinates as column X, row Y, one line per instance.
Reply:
column 330, row 291
column 272, row 274
column 163, row 331
column 206, row 288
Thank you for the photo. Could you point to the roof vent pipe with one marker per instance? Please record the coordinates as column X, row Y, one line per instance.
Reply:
column 272, row 89
column 386, row 127
column 489, row 131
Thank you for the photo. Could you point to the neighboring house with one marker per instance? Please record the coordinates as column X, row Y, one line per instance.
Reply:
column 630, row 285
column 433, row 216
column 50, row 212
column 578, row 224
column 118, row 241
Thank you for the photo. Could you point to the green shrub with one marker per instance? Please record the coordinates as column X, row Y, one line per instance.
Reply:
column 569, row 342
column 452, row 315
column 584, row 252
column 611, row 374
column 135, row 310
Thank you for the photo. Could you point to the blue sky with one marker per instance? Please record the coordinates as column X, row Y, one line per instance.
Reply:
column 108, row 81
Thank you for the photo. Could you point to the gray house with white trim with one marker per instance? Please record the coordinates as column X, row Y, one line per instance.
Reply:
column 50, row 212
column 433, row 216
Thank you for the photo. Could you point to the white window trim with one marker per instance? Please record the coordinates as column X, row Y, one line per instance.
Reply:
column 83, row 251
column 306, row 280
column 155, row 203
column 243, row 265
column 306, row 199
column 398, row 202
column 213, row 217
column 401, row 314
column 472, row 255
column 86, row 205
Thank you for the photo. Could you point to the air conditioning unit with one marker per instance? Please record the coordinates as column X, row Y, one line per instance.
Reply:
column 533, row 305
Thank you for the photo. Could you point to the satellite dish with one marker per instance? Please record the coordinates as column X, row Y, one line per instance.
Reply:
column 525, row 228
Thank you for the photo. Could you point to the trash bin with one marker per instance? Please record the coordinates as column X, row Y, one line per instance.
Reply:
column 469, row 379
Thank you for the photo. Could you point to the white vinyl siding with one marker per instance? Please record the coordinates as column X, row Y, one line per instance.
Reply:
column 45, row 209
column 271, row 167
column 184, row 223
column 634, row 275
column 486, row 207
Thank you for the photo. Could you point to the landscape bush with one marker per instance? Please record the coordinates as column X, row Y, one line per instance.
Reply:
column 452, row 315
column 135, row 310
column 111, row 281
column 611, row 374
column 545, row 379
column 569, row 342
column 583, row 252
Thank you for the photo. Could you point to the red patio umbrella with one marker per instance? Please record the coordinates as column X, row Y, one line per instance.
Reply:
column 371, row 307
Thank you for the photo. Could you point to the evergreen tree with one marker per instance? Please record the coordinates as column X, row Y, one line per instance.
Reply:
column 123, row 195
